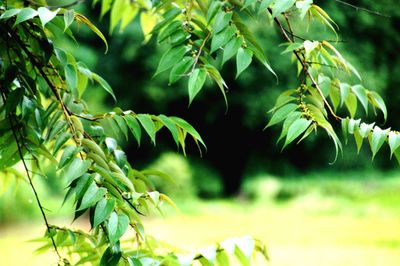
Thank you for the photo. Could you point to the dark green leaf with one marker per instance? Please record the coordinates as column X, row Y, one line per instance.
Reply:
column 220, row 39
column 134, row 126
column 25, row 14
column 295, row 129
column 221, row 21
column 103, row 210
column 170, row 58
column 171, row 127
column 71, row 78
column 180, row 69
column 110, row 258
column 148, row 126
column 61, row 140
column 231, row 48
column 243, row 60
column 196, row 82
column 92, row 196
column 76, row 169
column 69, row 153
column 282, row 113
column 117, row 225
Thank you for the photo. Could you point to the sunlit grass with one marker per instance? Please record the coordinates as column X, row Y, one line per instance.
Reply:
column 323, row 224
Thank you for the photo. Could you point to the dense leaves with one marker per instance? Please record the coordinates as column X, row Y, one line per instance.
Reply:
column 44, row 118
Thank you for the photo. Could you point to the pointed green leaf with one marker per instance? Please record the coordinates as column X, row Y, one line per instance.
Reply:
column 243, row 60
column 220, row 39
column 117, row 225
column 148, row 126
column 103, row 210
column 10, row 13
column 170, row 58
column 351, row 104
column 46, row 15
column 361, row 94
column 264, row 5
column 69, row 16
column 188, row 128
column 61, row 140
column 71, row 78
column 295, row 129
column 171, row 127
column 365, row 129
column 344, row 92
column 222, row 20
column 282, row 6
column 213, row 9
column 377, row 139
column 25, row 14
column 68, row 154
column 92, row 196
column 134, row 126
column 281, row 114
column 196, row 82
column 231, row 48
column 180, row 69
column 394, row 142
column 76, row 169
column 104, row 84
column 378, row 102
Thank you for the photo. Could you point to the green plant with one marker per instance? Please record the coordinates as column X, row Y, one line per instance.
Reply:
column 43, row 117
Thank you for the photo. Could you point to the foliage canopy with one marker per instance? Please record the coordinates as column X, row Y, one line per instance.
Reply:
column 43, row 118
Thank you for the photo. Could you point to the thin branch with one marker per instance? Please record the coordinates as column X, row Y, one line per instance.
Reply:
column 305, row 67
column 358, row 8
column 196, row 60
column 21, row 156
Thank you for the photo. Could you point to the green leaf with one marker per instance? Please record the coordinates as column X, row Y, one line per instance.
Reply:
column 344, row 92
column 69, row 16
column 243, row 60
column 117, row 11
column 231, row 48
column 377, row 139
column 68, row 154
column 25, row 14
column 76, row 169
column 361, row 94
column 71, row 78
column 365, row 129
column 170, row 58
column 110, row 257
column 213, row 9
column 61, row 140
column 122, row 125
column 351, row 104
column 378, row 102
column 394, row 142
column 87, row 22
column 171, row 127
column 282, row 6
column 46, row 15
column 295, row 129
column 92, row 196
column 264, row 5
column 104, row 84
column 148, row 126
column 117, row 225
column 188, row 128
column 180, row 69
column 216, row 76
column 9, row 13
column 222, row 258
column 281, row 114
column 134, row 126
column 222, row 20
column 196, row 82
column 103, row 210
column 220, row 39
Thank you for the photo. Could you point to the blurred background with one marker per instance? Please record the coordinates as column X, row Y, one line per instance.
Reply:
column 308, row 211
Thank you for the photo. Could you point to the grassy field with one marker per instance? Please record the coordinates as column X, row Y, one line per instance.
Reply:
column 311, row 228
